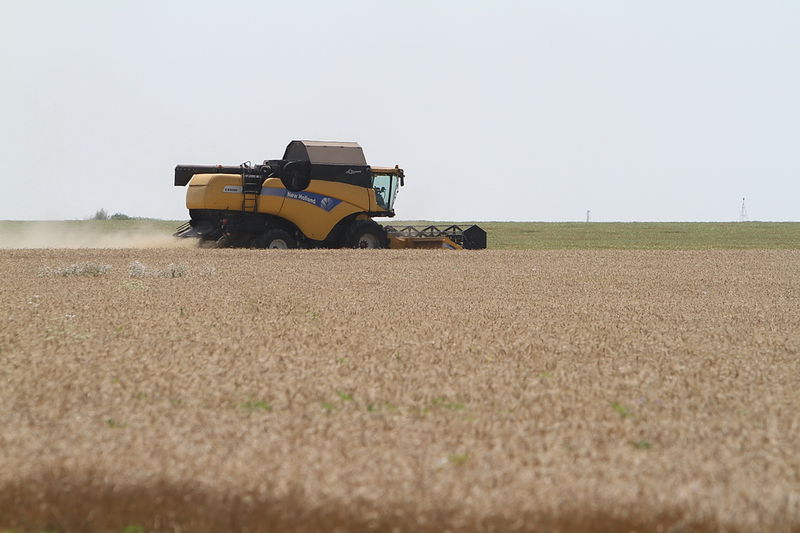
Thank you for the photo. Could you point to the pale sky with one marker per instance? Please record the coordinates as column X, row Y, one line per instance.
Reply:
column 636, row 110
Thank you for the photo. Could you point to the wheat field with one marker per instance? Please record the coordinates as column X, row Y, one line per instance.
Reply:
column 355, row 390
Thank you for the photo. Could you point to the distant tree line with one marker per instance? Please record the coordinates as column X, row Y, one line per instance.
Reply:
column 102, row 214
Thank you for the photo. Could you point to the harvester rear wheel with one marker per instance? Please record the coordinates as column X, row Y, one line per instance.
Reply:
column 366, row 234
column 276, row 238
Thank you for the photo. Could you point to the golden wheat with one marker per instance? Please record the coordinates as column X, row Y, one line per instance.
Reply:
column 243, row 390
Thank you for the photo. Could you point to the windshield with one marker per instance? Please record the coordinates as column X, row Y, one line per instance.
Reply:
column 385, row 186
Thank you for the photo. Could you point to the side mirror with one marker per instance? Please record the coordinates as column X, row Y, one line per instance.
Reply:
column 296, row 175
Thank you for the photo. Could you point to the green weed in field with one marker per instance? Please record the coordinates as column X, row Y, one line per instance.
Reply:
column 446, row 404
column 623, row 411
column 384, row 406
column 458, row 459
column 256, row 405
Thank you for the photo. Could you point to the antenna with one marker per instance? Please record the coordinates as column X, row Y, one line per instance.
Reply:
column 588, row 211
column 743, row 213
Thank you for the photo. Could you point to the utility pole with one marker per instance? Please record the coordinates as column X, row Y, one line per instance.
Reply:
column 587, row 214
column 743, row 213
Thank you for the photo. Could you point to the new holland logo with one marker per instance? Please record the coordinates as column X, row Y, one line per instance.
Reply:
column 318, row 200
column 305, row 197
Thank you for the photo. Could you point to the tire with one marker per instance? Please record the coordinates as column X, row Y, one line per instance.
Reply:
column 276, row 238
column 366, row 234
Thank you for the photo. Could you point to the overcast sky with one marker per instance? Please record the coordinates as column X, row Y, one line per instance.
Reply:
column 635, row 110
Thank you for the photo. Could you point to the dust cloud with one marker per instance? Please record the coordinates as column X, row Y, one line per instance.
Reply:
column 80, row 234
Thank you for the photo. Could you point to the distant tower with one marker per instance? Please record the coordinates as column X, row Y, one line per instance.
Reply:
column 743, row 213
column 587, row 214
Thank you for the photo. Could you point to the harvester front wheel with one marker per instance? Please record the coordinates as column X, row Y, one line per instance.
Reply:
column 276, row 238
column 366, row 234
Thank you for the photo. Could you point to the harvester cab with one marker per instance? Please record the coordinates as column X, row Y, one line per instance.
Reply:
column 320, row 194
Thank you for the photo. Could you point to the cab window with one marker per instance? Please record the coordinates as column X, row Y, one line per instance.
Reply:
column 385, row 188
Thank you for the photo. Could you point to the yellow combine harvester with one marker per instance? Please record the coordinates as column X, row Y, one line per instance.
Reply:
column 321, row 194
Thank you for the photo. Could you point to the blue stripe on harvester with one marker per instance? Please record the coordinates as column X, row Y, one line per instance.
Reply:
column 320, row 200
column 273, row 192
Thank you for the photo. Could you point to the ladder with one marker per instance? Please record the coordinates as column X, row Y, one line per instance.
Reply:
column 251, row 190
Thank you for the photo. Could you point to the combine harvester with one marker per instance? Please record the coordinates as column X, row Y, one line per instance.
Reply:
column 321, row 194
